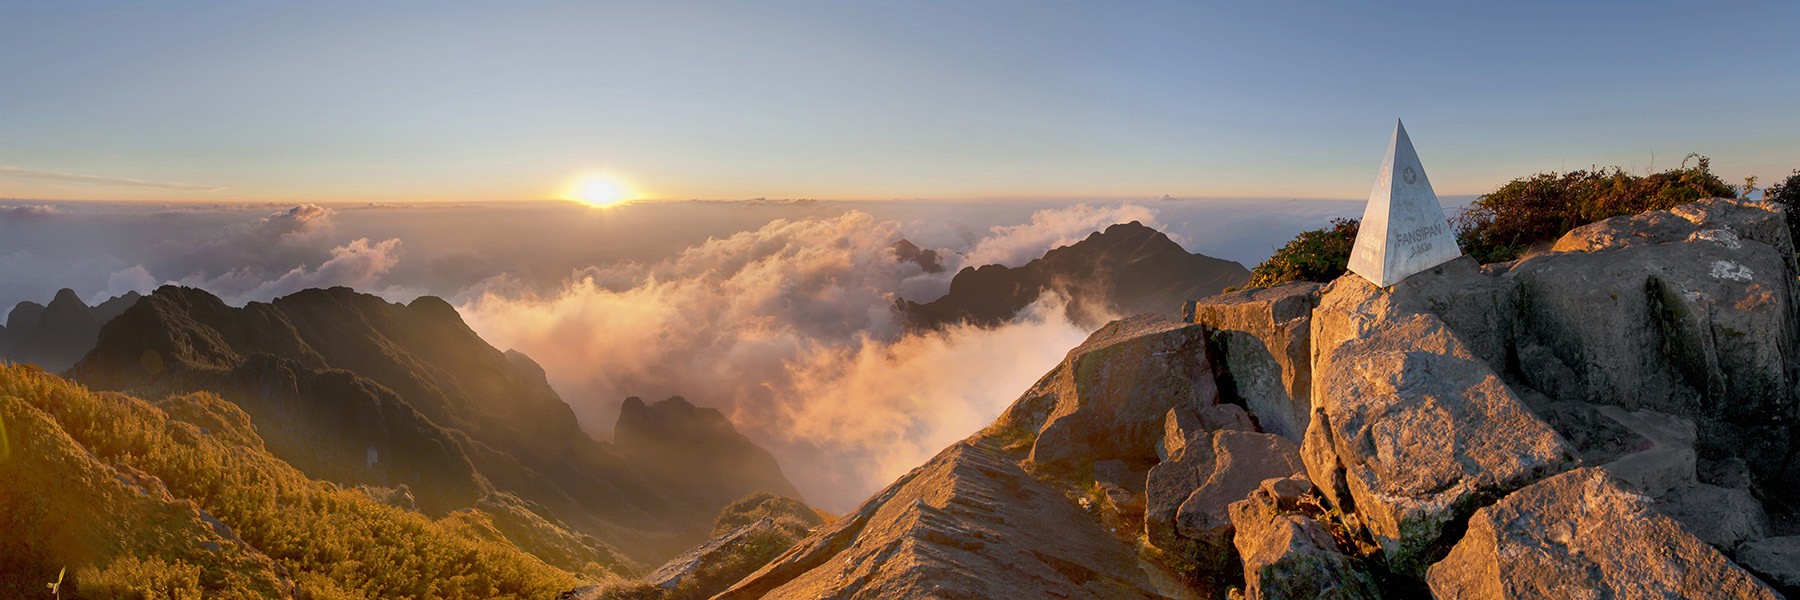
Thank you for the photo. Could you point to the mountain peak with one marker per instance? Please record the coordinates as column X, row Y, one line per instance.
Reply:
column 907, row 251
column 1125, row 269
column 67, row 298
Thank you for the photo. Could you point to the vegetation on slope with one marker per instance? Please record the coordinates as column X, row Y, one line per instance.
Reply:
column 1318, row 255
column 1502, row 224
column 178, row 498
column 742, row 543
column 1787, row 193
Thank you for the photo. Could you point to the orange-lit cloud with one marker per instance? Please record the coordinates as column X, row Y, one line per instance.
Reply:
column 790, row 331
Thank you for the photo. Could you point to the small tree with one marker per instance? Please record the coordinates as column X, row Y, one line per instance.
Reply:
column 1787, row 193
column 1318, row 255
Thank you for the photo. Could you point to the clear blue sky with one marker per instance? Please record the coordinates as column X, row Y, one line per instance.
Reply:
column 388, row 101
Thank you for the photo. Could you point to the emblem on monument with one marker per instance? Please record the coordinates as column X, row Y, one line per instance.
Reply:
column 1404, row 230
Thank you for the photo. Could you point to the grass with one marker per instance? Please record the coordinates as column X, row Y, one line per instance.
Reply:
column 140, row 503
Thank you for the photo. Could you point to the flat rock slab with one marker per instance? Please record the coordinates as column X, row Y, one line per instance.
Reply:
column 1582, row 535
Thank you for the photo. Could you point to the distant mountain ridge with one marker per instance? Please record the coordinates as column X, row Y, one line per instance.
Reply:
column 55, row 336
column 351, row 388
column 1127, row 269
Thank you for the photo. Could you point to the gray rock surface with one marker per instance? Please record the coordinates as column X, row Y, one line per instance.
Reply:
column 1265, row 335
column 1777, row 559
column 1663, row 461
column 1410, row 430
column 1721, row 516
column 1688, row 312
column 1582, row 535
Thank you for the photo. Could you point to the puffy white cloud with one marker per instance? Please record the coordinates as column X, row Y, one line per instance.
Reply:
column 359, row 264
column 790, row 330
column 133, row 279
column 1015, row 245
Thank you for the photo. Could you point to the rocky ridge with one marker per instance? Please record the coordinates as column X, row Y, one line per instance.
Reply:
column 1608, row 419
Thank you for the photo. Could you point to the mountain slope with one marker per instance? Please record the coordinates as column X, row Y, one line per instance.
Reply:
column 180, row 499
column 354, row 389
column 1126, row 269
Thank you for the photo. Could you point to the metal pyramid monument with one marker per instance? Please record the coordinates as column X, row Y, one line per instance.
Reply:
column 1403, row 230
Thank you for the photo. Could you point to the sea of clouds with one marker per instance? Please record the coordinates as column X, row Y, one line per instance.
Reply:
column 780, row 314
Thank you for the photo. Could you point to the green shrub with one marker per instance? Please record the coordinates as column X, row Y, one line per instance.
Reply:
column 1318, row 255
column 1787, row 193
column 1502, row 224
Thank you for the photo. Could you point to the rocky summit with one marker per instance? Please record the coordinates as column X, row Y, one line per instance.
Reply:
column 1609, row 418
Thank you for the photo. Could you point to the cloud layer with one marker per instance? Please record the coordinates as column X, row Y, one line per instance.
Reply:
column 790, row 330
column 779, row 314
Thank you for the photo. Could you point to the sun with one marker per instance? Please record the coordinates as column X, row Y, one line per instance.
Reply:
column 599, row 191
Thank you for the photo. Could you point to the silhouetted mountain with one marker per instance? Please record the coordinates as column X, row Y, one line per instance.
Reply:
column 696, row 450
column 54, row 337
column 1127, row 269
column 907, row 251
column 354, row 389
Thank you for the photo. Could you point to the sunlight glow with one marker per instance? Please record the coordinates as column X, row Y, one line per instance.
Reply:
column 599, row 190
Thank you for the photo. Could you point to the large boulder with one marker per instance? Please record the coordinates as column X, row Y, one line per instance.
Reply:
column 1109, row 398
column 1265, row 336
column 1410, row 430
column 1581, row 535
column 970, row 523
column 1289, row 554
column 1688, row 312
column 1190, row 495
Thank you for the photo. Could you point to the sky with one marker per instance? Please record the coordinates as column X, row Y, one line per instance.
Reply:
column 413, row 101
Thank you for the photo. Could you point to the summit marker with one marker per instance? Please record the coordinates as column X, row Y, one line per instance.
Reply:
column 1404, row 230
